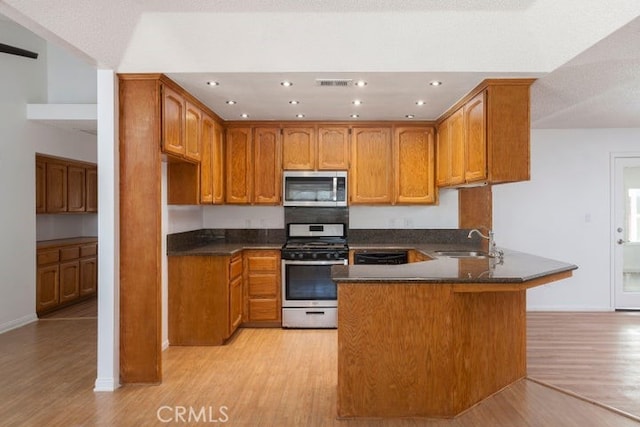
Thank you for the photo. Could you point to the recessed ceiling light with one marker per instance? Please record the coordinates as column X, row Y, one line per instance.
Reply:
column 361, row 83
column 213, row 83
column 300, row 116
column 231, row 102
column 357, row 102
column 420, row 102
column 435, row 83
column 244, row 115
column 409, row 116
column 286, row 83
column 294, row 102
column 355, row 116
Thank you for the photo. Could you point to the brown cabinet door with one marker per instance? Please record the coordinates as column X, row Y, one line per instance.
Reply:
column 238, row 166
column 267, row 166
column 206, row 161
column 193, row 118
column 47, row 287
column 217, row 152
column 333, row 148
column 414, row 165
column 298, row 148
column 76, row 188
column 56, row 187
column 92, row 189
column 173, row 116
column 41, row 186
column 457, row 147
column 371, row 177
column 476, row 139
column 69, row 281
column 235, row 304
column 443, row 162
column 88, row 276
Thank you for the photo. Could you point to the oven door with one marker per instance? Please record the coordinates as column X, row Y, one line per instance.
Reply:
column 309, row 283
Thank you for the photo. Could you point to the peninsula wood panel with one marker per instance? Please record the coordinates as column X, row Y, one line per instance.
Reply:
column 442, row 353
column 414, row 165
column 140, row 233
column 299, row 148
column 199, row 308
column 475, row 210
column 333, row 148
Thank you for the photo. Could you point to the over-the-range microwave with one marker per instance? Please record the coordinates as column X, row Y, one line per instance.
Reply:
column 308, row 188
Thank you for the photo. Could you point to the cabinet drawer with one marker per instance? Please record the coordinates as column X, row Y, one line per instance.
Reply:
column 48, row 257
column 264, row 309
column 266, row 263
column 69, row 253
column 263, row 284
column 88, row 250
column 235, row 268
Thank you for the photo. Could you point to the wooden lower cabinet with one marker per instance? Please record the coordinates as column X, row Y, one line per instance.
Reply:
column 262, row 277
column 67, row 272
column 205, row 298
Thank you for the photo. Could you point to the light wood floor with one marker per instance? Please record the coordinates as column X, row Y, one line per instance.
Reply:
column 275, row 377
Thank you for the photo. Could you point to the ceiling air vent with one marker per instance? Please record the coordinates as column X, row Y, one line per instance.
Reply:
column 334, row 82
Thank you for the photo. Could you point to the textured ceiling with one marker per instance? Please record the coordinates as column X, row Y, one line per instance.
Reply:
column 582, row 51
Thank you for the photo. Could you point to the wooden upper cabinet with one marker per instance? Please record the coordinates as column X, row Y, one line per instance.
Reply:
column 298, row 148
column 173, row 115
column 56, row 187
column 414, row 165
column 371, row 174
column 488, row 136
column 267, row 166
column 92, row 189
column 212, row 162
column 76, row 188
column 476, row 139
column 41, row 185
column 451, row 151
column 238, row 165
column 192, row 124
column 333, row 148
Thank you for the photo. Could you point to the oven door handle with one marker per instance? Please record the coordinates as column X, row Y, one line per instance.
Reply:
column 311, row 262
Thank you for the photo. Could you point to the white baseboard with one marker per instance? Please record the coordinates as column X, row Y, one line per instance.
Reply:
column 106, row 384
column 568, row 308
column 13, row 324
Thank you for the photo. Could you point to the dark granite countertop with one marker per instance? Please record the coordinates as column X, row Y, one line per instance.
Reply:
column 513, row 267
column 222, row 248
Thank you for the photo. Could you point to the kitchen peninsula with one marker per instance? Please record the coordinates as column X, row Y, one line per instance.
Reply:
column 436, row 337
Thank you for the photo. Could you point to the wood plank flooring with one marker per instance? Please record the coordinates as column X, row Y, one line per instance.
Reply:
column 275, row 377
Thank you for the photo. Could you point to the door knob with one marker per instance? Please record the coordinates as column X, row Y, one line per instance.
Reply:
column 621, row 242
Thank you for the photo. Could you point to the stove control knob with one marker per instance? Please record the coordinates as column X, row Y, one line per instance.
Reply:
column 314, row 255
column 329, row 255
column 300, row 255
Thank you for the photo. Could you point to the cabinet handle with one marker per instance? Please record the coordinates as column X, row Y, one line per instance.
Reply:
column 308, row 313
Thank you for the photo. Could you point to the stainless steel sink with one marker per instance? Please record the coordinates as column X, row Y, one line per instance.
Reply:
column 464, row 254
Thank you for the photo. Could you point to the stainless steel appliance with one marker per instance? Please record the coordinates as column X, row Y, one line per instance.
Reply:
column 309, row 296
column 323, row 188
column 380, row 257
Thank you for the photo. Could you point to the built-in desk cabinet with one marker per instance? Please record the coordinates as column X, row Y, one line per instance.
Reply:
column 67, row 272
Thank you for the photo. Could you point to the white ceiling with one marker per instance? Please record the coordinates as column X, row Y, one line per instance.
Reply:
column 586, row 53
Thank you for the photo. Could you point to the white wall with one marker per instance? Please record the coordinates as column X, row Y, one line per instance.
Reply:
column 23, row 81
column 69, row 80
column 564, row 213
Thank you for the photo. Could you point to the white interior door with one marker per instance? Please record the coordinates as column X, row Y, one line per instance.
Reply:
column 626, row 233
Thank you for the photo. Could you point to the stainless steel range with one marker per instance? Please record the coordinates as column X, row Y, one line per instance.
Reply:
column 309, row 296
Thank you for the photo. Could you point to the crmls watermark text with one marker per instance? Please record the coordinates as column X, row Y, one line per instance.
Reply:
column 190, row 414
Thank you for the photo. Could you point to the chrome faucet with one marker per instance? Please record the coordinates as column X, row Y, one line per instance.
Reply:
column 492, row 244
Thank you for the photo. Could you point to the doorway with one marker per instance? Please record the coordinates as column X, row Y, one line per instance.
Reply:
column 626, row 231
